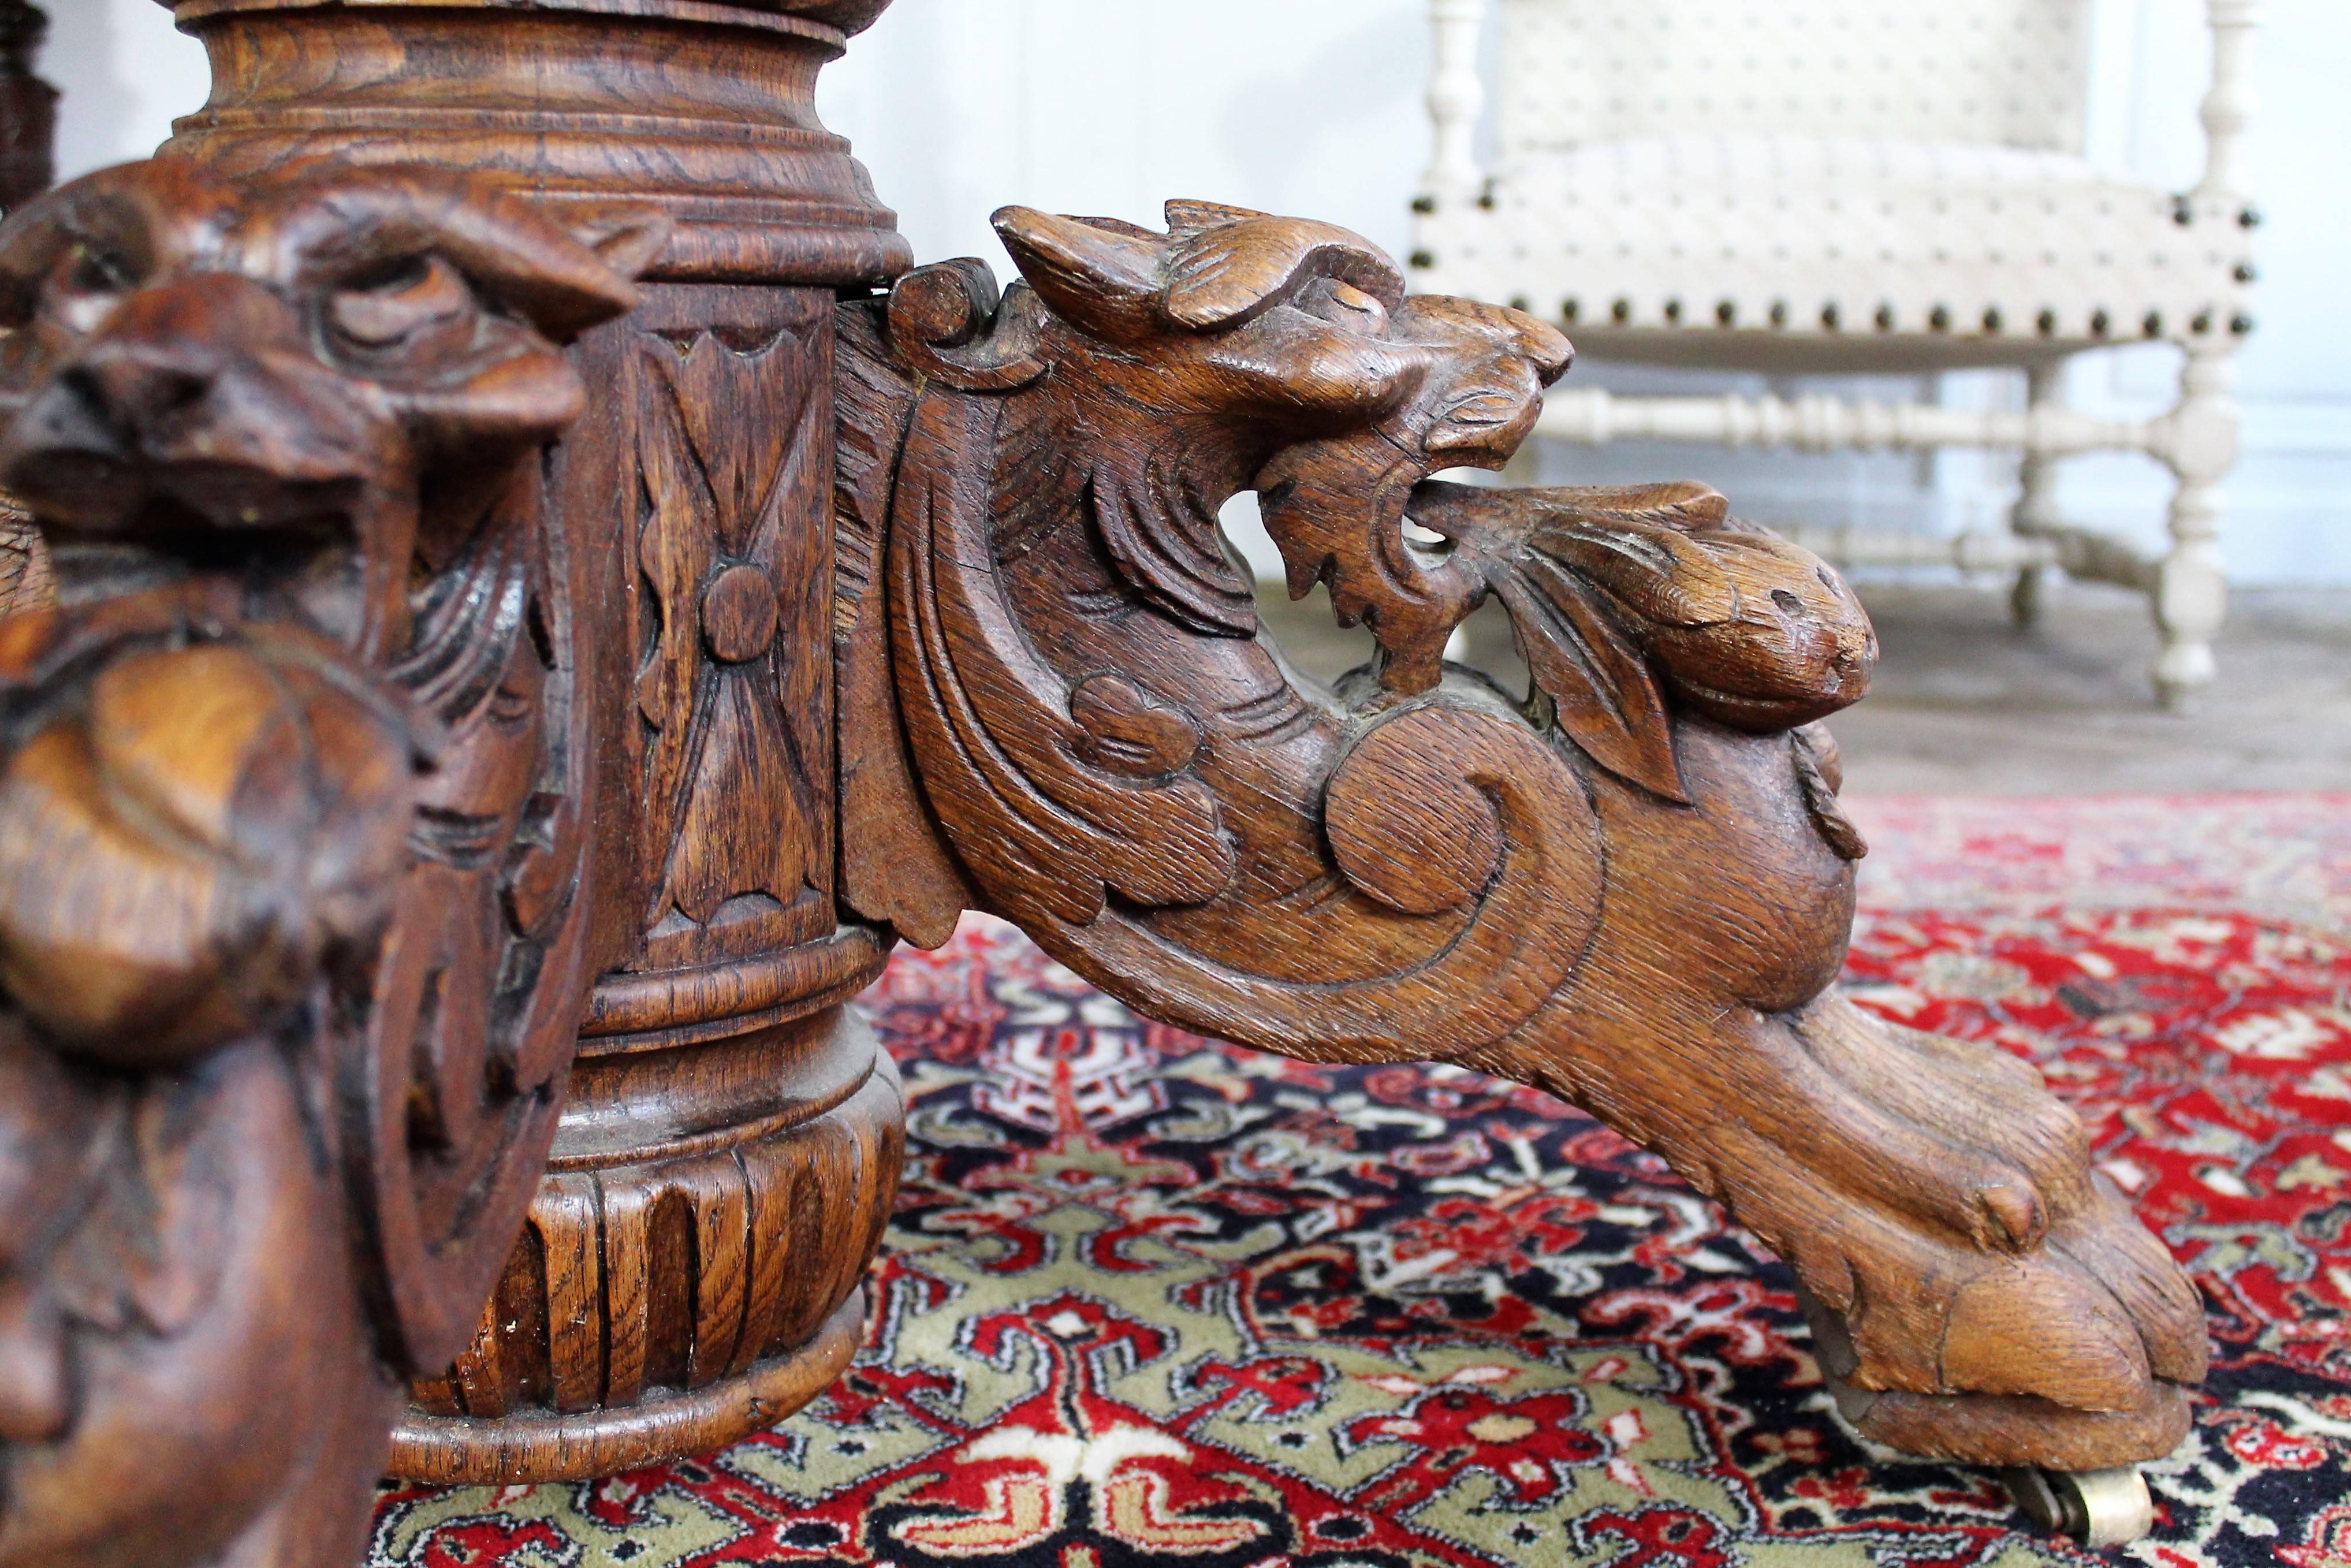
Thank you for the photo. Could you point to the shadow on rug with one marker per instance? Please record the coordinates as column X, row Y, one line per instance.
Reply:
column 1153, row 1302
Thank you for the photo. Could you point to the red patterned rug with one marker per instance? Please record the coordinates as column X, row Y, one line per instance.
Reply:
column 1152, row 1301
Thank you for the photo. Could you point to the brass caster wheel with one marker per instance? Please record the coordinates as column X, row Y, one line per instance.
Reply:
column 2096, row 1508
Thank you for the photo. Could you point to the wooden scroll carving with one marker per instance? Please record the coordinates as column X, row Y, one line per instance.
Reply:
column 1631, row 886
column 293, row 811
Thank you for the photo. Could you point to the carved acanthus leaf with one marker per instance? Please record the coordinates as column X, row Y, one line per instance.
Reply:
column 1066, row 832
column 1601, row 692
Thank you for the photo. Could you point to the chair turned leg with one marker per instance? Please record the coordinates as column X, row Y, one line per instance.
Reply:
column 2192, row 587
column 2036, row 514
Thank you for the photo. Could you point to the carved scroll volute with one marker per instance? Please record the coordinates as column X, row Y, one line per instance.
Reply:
column 292, row 826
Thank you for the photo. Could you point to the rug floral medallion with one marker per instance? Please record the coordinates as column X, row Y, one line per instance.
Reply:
column 1153, row 1302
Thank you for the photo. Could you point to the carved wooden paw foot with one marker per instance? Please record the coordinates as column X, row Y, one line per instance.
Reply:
column 1977, row 1291
column 1630, row 883
column 2014, row 1310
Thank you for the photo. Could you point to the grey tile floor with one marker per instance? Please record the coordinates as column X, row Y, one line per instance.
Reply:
column 1963, row 703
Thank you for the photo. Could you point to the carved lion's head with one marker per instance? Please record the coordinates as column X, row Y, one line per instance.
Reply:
column 259, row 376
column 1243, row 350
column 1299, row 327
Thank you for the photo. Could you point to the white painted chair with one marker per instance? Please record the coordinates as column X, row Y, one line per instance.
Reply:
column 1819, row 187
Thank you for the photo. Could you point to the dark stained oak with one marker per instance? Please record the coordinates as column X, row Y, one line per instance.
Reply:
column 541, row 595
column 29, row 108
column 28, row 123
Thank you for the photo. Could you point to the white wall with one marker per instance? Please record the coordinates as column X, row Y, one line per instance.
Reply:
column 1110, row 106
column 125, row 73
column 2289, row 522
column 2290, row 500
column 1313, row 106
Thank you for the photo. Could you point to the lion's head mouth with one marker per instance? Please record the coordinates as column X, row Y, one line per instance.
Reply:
column 200, row 520
column 296, row 378
column 190, row 434
column 208, row 513
column 163, row 435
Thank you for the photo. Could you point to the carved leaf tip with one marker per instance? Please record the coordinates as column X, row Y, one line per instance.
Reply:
column 1602, row 694
column 1189, row 217
column 1106, row 281
column 1818, row 775
column 1218, row 267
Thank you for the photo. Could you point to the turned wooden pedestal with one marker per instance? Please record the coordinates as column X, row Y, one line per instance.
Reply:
column 730, row 1145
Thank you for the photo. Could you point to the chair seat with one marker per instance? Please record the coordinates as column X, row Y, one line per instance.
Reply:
column 1797, row 252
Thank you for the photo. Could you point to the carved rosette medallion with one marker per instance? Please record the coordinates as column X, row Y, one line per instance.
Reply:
column 731, row 1146
column 733, row 460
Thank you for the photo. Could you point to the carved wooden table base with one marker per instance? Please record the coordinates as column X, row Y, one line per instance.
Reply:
column 446, row 619
column 1631, row 886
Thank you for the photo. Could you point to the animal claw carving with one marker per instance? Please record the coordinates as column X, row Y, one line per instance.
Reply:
column 1634, row 887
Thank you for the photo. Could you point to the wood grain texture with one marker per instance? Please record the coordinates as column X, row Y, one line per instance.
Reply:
column 24, row 562
column 702, row 110
column 293, row 800
column 718, row 1025
column 731, row 483
column 371, row 721
column 479, row 1453
column 1630, row 884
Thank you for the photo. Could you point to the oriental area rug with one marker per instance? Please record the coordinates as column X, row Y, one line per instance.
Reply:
column 1153, row 1302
